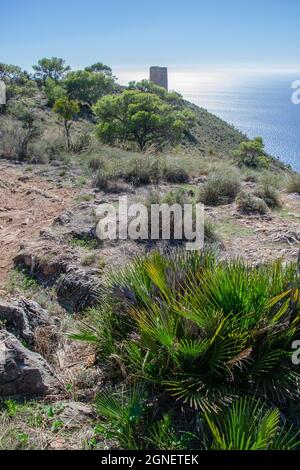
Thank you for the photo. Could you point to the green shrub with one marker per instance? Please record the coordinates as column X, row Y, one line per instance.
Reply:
column 294, row 184
column 270, row 195
column 95, row 163
column 188, row 306
column 142, row 170
column 82, row 143
column 250, row 425
column 251, row 154
column 175, row 174
column 250, row 204
column 179, row 196
column 124, row 415
column 276, row 180
column 85, row 242
column 220, row 189
column 251, row 176
column 107, row 181
column 54, row 91
column 197, row 334
column 89, row 260
column 210, row 235
column 176, row 196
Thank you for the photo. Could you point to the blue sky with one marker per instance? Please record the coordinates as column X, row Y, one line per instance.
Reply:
column 195, row 33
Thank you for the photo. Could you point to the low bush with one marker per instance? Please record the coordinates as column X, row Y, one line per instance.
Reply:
column 175, row 174
column 210, row 234
column 107, row 181
column 82, row 143
column 95, row 163
column 142, row 170
column 250, row 204
column 270, row 195
column 196, row 338
column 12, row 136
column 180, row 196
column 294, row 184
column 251, row 176
column 251, row 418
column 220, row 189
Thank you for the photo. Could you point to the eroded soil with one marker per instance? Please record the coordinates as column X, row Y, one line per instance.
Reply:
column 28, row 203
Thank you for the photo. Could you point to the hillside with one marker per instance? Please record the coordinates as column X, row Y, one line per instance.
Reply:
column 209, row 136
column 213, row 134
column 96, row 324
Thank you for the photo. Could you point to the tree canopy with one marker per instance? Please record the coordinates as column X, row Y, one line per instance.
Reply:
column 143, row 118
column 147, row 86
column 251, row 153
column 88, row 87
column 11, row 73
column 54, row 91
column 99, row 67
column 54, row 68
column 66, row 110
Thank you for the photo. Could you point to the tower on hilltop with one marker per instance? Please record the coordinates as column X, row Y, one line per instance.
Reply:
column 159, row 76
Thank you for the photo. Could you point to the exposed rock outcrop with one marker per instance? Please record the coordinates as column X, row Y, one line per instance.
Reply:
column 22, row 317
column 23, row 373
column 78, row 289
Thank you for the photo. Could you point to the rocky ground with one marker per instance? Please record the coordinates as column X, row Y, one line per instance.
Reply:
column 52, row 268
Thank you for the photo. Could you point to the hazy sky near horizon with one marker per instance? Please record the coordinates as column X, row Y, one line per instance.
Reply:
column 136, row 33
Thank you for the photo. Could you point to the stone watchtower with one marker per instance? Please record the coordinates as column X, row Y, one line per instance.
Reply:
column 159, row 76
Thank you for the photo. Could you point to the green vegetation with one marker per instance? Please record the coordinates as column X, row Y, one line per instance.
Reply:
column 89, row 260
column 270, row 195
column 136, row 170
column 252, row 154
column 294, row 184
column 54, row 69
column 35, row 426
column 86, row 243
column 194, row 352
column 87, row 87
column 54, row 91
column 20, row 280
column 201, row 341
column 67, row 110
column 143, row 118
column 250, row 204
column 99, row 67
column 180, row 196
column 220, row 189
column 29, row 130
column 250, row 425
column 10, row 73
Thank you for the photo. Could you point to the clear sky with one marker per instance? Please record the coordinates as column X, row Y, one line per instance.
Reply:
column 138, row 33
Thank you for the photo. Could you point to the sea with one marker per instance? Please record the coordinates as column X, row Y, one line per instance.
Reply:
column 257, row 102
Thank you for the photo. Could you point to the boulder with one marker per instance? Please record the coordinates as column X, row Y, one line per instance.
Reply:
column 44, row 262
column 22, row 317
column 78, row 290
column 23, row 373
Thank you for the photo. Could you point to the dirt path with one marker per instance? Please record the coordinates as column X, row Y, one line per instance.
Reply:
column 27, row 205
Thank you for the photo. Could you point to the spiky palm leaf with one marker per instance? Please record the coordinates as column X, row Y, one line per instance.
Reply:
column 248, row 424
column 206, row 331
column 123, row 409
